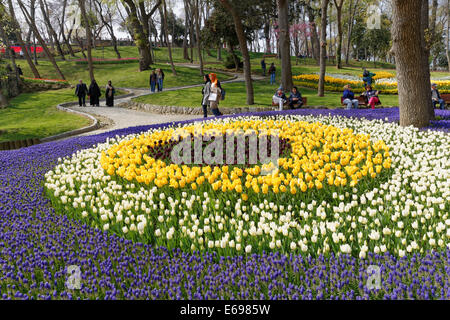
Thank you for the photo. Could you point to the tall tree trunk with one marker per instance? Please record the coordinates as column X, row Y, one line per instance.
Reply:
column 66, row 40
column 169, row 46
column 219, row 52
column 433, row 27
column 47, row 52
column 285, row 45
column 18, row 34
column 267, row 35
column 323, row 48
column 186, row 31
column 52, row 32
column 87, row 27
column 315, row 43
column 197, row 32
column 339, row 4
column 243, row 45
column 407, row 37
column 426, row 48
column 447, row 47
column 350, row 29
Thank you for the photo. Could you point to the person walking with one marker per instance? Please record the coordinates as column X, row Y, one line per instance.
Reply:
column 206, row 90
column 272, row 71
column 160, row 79
column 368, row 77
column 436, row 97
column 110, row 91
column 153, row 81
column 214, row 95
column 94, row 93
column 263, row 66
column 81, row 91
column 349, row 98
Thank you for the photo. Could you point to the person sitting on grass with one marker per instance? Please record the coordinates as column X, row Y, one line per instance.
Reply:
column 295, row 99
column 349, row 98
column 279, row 98
column 371, row 96
column 436, row 97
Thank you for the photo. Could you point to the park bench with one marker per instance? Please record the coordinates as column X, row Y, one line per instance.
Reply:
column 304, row 99
column 361, row 101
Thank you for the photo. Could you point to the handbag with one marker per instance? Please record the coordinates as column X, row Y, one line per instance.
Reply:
column 212, row 97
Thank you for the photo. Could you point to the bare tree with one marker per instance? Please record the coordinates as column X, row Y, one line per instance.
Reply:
column 244, row 49
column 197, row 33
column 285, row 44
column 352, row 7
column 186, row 30
column 409, row 49
column 107, row 20
column 46, row 15
column 323, row 47
column 169, row 47
column 338, row 4
column 18, row 34
column 36, row 32
column 87, row 27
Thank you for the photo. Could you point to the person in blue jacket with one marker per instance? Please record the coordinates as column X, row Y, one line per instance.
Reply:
column 368, row 77
column 349, row 98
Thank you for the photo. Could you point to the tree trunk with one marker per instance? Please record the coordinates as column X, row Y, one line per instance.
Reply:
column 350, row 29
column 32, row 24
column 169, row 46
column 186, row 31
column 267, row 35
column 407, row 38
column 219, row 52
column 433, row 27
column 426, row 48
column 285, row 45
column 197, row 32
column 66, row 40
column 89, row 38
column 52, row 32
column 315, row 43
column 243, row 45
column 338, row 4
column 20, row 40
column 3, row 101
column 447, row 47
column 323, row 48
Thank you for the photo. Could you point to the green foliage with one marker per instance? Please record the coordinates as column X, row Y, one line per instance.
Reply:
column 230, row 64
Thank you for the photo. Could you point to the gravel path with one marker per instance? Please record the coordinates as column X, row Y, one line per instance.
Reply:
column 119, row 118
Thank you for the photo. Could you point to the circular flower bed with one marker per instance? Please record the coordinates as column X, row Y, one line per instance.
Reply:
column 333, row 192
column 38, row 243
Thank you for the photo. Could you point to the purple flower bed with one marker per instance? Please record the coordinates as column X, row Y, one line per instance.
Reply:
column 37, row 245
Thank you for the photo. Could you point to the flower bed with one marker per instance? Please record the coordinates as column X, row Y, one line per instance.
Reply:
column 38, row 242
column 334, row 84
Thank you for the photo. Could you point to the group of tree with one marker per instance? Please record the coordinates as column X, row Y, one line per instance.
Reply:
column 324, row 30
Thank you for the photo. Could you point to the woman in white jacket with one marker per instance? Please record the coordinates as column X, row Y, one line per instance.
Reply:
column 214, row 95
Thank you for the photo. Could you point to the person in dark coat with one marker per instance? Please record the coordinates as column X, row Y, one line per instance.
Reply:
column 94, row 94
column 153, row 80
column 263, row 66
column 295, row 99
column 272, row 72
column 81, row 91
column 160, row 79
column 110, row 91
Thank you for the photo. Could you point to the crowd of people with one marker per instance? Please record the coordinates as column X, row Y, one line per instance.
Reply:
column 94, row 93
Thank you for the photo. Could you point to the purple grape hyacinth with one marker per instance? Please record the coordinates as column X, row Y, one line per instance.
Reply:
column 37, row 245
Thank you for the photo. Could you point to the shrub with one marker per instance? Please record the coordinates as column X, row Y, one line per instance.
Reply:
column 229, row 62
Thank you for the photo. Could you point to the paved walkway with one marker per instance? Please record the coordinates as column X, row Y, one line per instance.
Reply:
column 119, row 118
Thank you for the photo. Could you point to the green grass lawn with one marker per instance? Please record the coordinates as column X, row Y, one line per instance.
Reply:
column 34, row 115
column 121, row 75
column 236, row 96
